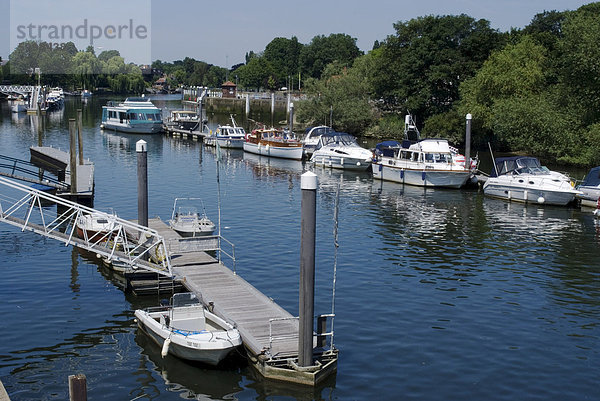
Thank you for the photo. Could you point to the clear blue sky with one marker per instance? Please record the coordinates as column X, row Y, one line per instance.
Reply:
column 221, row 32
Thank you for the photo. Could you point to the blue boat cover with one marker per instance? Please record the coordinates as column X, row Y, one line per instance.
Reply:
column 592, row 179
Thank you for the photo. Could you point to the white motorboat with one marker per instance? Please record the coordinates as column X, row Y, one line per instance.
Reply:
column 186, row 329
column 425, row 163
column 273, row 143
column 96, row 227
column 18, row 106
column 227, row 136
column 184, row 120
column 524, row 179
column 135, row 115
column 590, row 188
column 340, row 150
column 311, row 138
column 187, row 222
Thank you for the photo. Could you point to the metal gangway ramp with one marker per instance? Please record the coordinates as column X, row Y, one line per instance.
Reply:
column 33, row 210
column 23, row 170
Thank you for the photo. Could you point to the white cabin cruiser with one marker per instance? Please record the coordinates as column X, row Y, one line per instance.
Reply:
column 524, row 179
column 340, row 150
column 425, row 163
column 96, row 227
column 187, row 222
column 590, row 188
column 227, row 136
column 311, row 138
column 186, row 329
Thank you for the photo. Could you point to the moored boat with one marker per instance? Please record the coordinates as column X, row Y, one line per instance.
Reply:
column 227, row 136
column 524, row 179
column 340, row 150
column 186, row 120
column 135, row 115
column 311, row 138
column 273, row 143
column 95, row 227
column 590, row 188
column 186, row 329
column 186, row 220
column 426, row 163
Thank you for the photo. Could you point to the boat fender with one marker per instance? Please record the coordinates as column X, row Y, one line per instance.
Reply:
column 165, row 347
column 541, row 199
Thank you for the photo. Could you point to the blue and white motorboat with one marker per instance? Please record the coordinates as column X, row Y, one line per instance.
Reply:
column 524, row 179
column 135, row 115
column 227, row 136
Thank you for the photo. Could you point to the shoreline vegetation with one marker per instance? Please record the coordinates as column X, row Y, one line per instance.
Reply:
column 534, row 90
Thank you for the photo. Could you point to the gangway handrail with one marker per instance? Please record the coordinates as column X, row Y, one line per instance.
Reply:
column 139, row 246
column 14, row 166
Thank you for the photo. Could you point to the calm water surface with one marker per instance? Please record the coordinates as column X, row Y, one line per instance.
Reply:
column 440, row 294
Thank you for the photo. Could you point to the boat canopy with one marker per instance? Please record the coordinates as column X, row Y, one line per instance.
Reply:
column 518, row 165
column 388, row 148
column 317, row 131
column 592, row 179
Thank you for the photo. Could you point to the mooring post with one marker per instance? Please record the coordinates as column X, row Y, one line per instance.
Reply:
column 80, row 135
column 468, row 143
column 308, row 184
column 141, row 148
column 77, row 387
column 247, row 104
column 72, row 150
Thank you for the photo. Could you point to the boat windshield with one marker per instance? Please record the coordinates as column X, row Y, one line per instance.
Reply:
column 338, row 139
column 519, row 165
column 184, row 299
column 187, row 211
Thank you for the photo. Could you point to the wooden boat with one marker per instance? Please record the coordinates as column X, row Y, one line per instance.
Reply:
column 273, row 143
column 186, row 329
column 187, row 222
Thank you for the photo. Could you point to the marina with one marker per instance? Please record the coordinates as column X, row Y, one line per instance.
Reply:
column 455, row 276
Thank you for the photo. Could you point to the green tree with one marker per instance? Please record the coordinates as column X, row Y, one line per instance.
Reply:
column 255, row 74
column 323, row 50
column 423, row 64
column 283, row 54
column 108, row 54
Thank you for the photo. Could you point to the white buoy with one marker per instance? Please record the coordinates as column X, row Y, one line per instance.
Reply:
column 541, row 199
column 165, row 347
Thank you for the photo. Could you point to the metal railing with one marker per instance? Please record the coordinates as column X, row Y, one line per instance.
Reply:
column 31, row 173
column 321, row 334
column 203, row 244
column 124, row 241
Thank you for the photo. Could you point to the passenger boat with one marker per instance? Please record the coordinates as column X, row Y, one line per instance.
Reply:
column 227, row 136
column 186, row 329
column 186, row 120
column 426, row 163
column 340, row 150
column 55, row 99
column 590, row 188
column 135, row 115
column 95, row 227
column 524, row 179
column 273, row 143
column 187, row 222
column 311, row 138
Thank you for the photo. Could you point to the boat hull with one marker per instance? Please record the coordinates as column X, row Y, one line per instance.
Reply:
column 421, row 177
column 153, row 128
column 206, row 347
column 528, row 194
column 345, row 163
column 282, row 152
column 227, row 143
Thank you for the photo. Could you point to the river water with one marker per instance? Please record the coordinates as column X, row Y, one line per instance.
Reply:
column 440, row 294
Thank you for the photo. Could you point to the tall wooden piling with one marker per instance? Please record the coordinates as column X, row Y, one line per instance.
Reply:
column 73, row 154
column 77, row 387
column 308, row 184
column 141, row 148
column 80, row 135
column 468, row 142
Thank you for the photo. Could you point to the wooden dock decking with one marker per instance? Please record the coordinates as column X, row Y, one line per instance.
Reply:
column 272, row 346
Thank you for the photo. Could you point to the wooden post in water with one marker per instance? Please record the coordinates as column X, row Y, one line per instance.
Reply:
column 468, row 142
column 72, row 150
column 77, row 387
column 141, row 148
column 80, row 135
column 308, row 184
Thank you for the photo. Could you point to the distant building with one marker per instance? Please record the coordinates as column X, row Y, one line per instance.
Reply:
column 229, row 89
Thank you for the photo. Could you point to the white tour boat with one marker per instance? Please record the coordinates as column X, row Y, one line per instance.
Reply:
column 135, row 115
column 524, row 179
column 186, row 329
column 273, row 143
column 340, row 150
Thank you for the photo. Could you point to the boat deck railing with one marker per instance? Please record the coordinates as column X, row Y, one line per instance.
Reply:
column 204, row 243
